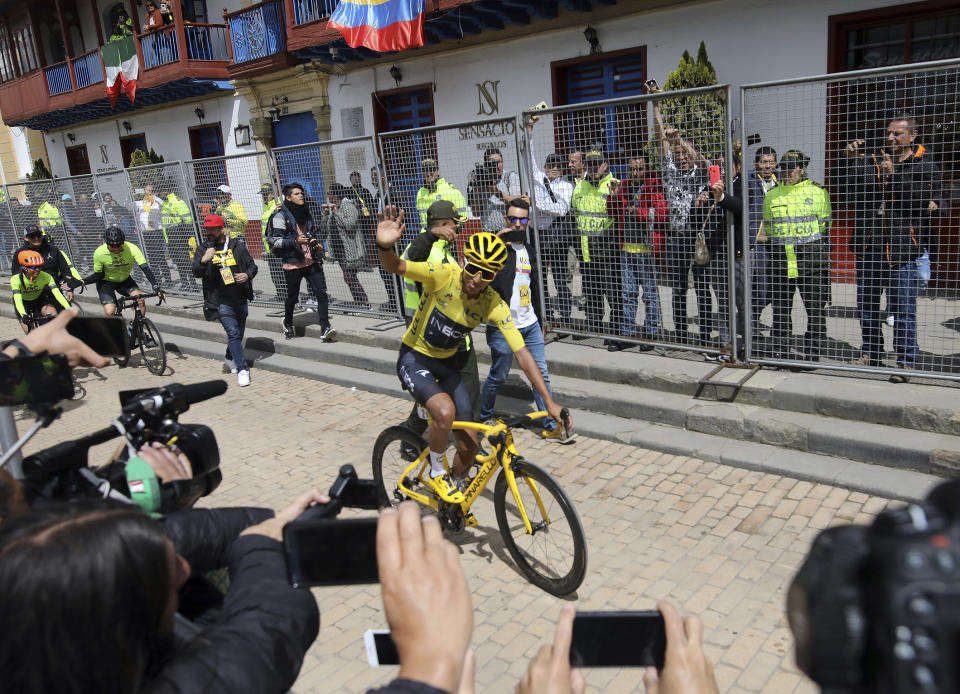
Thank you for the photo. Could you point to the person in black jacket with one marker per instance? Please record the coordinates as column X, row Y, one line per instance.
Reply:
column 291, row 235
column 112, row 624
column 518, row 284
column 898, row 193
column 227, row 271
column 56, row 263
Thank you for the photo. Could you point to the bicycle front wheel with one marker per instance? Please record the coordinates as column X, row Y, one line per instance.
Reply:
column 553, row 556
column 152, row 348
column 394, row 450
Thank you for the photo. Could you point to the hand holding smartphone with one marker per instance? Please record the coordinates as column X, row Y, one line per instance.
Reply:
column 715, row 175
column 106, row 335
column 331, row 552
column 618, row 639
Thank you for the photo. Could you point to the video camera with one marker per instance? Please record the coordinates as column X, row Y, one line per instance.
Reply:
column 874, row 608
column 62, row 471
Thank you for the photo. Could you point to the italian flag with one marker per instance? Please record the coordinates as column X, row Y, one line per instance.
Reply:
column 122, row 68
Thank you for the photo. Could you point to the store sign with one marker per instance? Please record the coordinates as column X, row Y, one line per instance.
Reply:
column 489, row 101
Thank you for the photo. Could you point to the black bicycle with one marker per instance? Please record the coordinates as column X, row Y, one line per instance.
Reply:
column 143, row 333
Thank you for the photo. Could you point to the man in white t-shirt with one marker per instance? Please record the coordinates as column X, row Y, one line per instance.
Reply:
column 518, row 285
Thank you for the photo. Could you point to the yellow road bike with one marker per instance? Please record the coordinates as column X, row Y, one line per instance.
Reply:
column 539, row 525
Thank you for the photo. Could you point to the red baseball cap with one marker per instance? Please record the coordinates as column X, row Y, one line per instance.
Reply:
column 213, row 220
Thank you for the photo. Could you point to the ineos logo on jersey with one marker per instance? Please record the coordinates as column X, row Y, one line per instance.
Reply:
column 442, row 331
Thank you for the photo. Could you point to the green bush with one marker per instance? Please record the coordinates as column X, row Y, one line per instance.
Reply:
column 700, row 119
column 40, row 172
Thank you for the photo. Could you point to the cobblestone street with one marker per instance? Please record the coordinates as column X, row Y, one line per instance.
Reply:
column 718, row 541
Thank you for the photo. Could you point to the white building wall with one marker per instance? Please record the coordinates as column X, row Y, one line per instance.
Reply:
column 166, row 131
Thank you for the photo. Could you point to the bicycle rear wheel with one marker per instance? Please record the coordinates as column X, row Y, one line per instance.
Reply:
column 554, row 556
column 394, row 450
column 152, row 348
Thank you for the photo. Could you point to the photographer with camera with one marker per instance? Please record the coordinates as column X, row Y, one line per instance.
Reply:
column 226, row 271
column 344, row 236
column 290, row 234
column 113, row 626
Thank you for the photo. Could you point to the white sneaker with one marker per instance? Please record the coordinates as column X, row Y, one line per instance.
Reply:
column 230, row 365
column 328, row 334
column 891, row 319
column 243, row 378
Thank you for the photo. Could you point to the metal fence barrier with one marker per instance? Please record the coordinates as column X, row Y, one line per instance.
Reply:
column 241, row 189
column 165, row 221
column 341, row 180
column 619, row 233
column 856, row 266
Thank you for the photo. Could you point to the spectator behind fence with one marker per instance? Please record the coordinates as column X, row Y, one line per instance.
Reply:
column 367, row 220
column 899, row 194
column 270, row 204
column 71, row 222
column 231, row 211
column 640, row 210
column 116, row 628
column 391, row 283
column 49, row 217
column 177, row 220
column 291, row 235
column 150, row 222
column 345, row 241
column 599, row 252
column 707, row 217
column 575, row 167
column 122, row 26
column 9, row 235
column 91, row 226
column 684, row 174
column 796, row 224
column 154, row 19
column 483, row 197
column 435, row 188
column 555, row 227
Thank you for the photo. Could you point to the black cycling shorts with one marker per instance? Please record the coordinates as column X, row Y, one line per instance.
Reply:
column 46, row 298
column 425, row 376
column 108, row 290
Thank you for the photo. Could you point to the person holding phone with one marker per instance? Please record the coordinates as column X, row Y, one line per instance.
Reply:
column 226, row 271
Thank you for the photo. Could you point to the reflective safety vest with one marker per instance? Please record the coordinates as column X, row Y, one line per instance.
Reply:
column 48, row 216
column 589, row 204
column 174, row 211
column 444, row 191
column 235, row 217
column 795, row 215
column 268, row 210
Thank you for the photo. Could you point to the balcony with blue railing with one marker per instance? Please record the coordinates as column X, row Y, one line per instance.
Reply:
column 305, row 11
column 159, row 48
column 87, row 69
column 257, row 32
column 207, row 42
column 58, row 78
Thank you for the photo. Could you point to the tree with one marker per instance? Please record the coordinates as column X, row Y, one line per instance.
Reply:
column 701, row 118
column 40, row 172
column 141, row 177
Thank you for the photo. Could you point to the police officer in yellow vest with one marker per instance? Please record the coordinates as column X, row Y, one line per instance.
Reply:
column 177, row 223
column 49, row 219
column 232, row 212
column 435, row 188
column 599, row 247
column 273, row 262
column 437, row 243
column 796, row 225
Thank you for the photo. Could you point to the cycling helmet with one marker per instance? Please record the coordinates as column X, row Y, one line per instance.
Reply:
column 486, row 249
column 30, row 259
column 114, row 236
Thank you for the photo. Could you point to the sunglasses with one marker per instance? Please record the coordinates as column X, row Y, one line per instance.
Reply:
column 514, row 220
column 485, row 274
column 32, row 236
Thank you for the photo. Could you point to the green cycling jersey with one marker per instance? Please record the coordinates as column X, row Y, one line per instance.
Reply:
column 116, row 267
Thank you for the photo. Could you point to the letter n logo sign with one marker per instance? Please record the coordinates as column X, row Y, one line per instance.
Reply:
column 487, row 97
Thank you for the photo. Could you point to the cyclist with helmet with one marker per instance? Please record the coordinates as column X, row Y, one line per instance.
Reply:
column 56, row 263
column 34, row 291
column 453, row 302
column 113, row 262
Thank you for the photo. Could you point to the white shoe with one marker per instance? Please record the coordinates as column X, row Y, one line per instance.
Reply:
column 891, row 319
column 230, row 365
column 243, row 378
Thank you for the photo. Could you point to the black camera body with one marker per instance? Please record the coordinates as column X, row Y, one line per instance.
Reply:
column 877, row 608
column 485, row 176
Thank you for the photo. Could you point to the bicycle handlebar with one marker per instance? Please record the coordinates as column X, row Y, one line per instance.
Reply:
column 124, row 301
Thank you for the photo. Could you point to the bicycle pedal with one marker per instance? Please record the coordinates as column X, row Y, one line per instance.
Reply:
column 470, row 520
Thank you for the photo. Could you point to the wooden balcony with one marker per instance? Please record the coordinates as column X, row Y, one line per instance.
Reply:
column 197, row 51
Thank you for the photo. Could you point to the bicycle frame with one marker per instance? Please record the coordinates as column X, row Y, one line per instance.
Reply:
column 502, row 452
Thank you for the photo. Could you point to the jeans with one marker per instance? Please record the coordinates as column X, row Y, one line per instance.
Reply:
column 639, row 270
column 902, row 303
column 234, row 320
column 871, row 271
column 501, row 358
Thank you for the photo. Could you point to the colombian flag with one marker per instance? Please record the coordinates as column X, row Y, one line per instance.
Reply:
column 380, row 25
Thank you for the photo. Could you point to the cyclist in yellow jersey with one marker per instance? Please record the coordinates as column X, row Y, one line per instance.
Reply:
column 453, row 302
column 34, row 291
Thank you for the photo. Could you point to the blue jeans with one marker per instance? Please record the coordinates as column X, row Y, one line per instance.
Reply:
column 234, row 320
column 902, row 303
column 639, row 270
column 501, row 357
